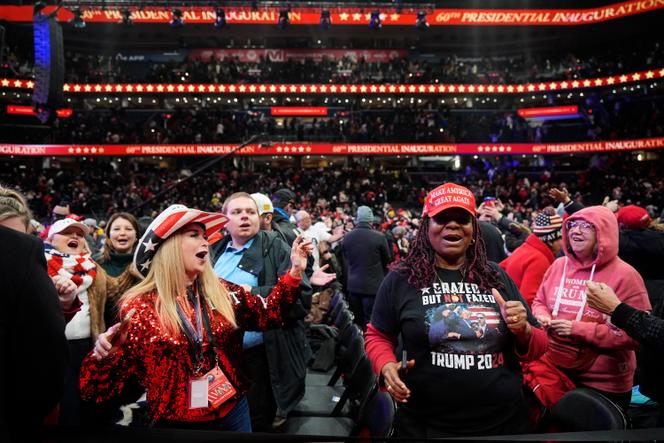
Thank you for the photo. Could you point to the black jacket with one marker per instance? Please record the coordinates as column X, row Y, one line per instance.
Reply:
column 284, row 227
column 367, row 256
column 493, row 241
column 34, row 352
column 648, row 330
column 287, row 349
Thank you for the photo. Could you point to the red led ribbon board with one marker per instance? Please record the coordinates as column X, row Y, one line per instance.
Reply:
column 547, row 112
column 301, row 111
column 336, row 149
column 27, row 110
column 339, row 89
column 357, row 17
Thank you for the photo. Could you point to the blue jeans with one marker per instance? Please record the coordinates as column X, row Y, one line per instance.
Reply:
column 237, row 420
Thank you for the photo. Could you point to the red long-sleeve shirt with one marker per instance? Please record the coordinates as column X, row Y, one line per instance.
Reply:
column 161, row 362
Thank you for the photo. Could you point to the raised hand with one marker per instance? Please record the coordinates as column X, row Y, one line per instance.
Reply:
column 299, row 253
column 559, row 195
column 515, row 316
column 321, row 278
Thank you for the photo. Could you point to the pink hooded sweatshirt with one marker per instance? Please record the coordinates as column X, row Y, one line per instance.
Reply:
column 613, row 370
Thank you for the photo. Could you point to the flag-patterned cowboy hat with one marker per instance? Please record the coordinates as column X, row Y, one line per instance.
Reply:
column 166, row 224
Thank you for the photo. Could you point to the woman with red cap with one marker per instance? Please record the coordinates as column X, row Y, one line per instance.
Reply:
column 464, row 328
column 185, row 338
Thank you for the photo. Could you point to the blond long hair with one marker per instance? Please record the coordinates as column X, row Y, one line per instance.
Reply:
column 13, row 204
column 167, row 278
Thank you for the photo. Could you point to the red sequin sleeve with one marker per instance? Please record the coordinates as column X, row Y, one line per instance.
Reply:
column 101, row 380
column 254, row 312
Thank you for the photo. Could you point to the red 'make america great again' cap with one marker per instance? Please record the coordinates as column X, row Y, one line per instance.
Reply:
column 446, row 196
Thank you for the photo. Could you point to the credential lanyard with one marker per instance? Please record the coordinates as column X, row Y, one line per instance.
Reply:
column 194, row 333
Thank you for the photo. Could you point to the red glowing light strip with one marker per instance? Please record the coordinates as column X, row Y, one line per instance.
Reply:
column 337, row 149
column 331, row 89
column 298, row 110
column 546, row 112
column 357, row 17
column 27, row 110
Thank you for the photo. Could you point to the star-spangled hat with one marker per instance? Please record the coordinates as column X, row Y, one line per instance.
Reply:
column 166, row 224
column 548, row 227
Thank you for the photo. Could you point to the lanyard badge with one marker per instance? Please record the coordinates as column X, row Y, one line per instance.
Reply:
column 213, row 388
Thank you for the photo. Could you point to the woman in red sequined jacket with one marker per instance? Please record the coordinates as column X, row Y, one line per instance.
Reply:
column 187, row 325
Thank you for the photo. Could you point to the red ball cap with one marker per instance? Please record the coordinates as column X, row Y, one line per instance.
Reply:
column 633, row 217
column 446, row 196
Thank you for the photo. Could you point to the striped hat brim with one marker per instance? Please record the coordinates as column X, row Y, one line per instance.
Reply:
column 172, row 219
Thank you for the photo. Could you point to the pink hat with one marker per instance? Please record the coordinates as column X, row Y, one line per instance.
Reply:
column 633, row 217
column 446, row 196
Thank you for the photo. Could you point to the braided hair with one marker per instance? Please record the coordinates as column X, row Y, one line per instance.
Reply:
column 419, row 266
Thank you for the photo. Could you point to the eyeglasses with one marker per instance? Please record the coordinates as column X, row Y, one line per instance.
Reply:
column 581, row 224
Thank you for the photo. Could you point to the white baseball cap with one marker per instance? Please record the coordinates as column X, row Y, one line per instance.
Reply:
column 263, row 202
column 65, row 223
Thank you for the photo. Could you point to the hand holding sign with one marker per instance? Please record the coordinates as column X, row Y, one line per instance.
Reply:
column 515, row 315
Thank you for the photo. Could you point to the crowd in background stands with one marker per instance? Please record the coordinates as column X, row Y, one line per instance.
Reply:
column 614, row 118
column 87, row 68
column 98, row 189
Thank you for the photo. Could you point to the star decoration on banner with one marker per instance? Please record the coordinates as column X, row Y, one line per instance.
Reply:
column 5, row 82
column 343, row 16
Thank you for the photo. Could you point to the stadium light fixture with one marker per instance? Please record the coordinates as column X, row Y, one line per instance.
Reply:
column 421, row 21
column 220, row 19
column 77, row 21
column 325, row 19
column 374, row 20
column 177, row 19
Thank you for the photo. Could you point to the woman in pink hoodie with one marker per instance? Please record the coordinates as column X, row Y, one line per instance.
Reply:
column 583, row 343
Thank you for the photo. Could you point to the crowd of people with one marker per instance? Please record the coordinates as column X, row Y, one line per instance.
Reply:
column 416, row 68
column 612, row 118
column 520, row 294
column 100, row 188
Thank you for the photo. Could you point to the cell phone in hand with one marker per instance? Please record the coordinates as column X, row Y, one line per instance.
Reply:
column 490, row 202
column 403, row 368
column 124, row 325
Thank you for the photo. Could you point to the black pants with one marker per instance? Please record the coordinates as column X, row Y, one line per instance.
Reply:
column 409, row 425
column 262, row 406
column 361, row 305
column 72, row 408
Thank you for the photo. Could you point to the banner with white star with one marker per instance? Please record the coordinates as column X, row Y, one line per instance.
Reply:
column 341, row 16
column 330, row 89
column 304, row 148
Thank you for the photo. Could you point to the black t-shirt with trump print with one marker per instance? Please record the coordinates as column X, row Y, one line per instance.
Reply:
column 466, row 378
